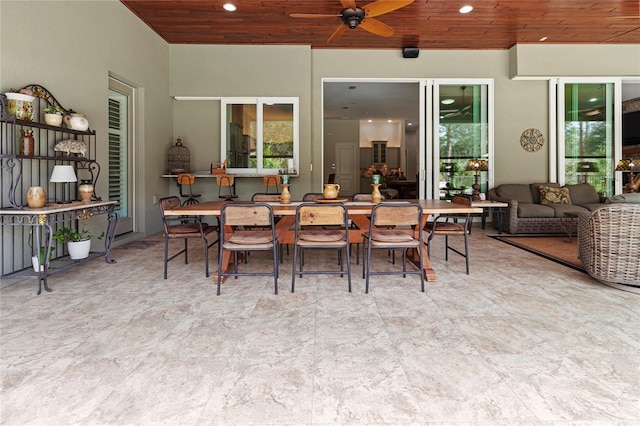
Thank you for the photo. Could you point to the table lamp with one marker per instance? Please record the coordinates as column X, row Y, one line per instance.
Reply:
column 63, row 174
column 477, row 166
column 628, row 165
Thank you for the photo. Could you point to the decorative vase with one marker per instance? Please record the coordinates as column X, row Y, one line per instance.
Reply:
column 376, row 196
column 85, row 190
column 79, row 249
column 36, row 197
column 285, row 195
column 26, row 142
column 76, row 122
column 53, row 119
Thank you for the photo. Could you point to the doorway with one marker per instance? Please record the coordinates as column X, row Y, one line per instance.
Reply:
column 357, row 113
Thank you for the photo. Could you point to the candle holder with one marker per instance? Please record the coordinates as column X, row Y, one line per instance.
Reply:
column 376, row 196
column 285, row 195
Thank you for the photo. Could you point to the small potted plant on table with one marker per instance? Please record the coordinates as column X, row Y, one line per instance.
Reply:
column 78, row 241
column 53, row 115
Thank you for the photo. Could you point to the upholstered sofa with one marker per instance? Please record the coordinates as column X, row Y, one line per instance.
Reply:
column 529, row 213
column 609, row 246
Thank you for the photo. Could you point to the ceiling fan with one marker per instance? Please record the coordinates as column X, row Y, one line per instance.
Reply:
column 353, row 17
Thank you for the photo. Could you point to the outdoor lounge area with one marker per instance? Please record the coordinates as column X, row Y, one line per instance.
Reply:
column 225, row 166
column 118, row 344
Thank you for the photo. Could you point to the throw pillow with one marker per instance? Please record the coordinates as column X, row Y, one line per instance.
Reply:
column 549, row 195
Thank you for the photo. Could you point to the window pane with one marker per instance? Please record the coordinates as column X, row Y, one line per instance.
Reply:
column 589, row 135
column 277, row 135
column 241, row 135
column 463, row 136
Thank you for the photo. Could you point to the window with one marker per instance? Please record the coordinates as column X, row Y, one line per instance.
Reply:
column 260, row 134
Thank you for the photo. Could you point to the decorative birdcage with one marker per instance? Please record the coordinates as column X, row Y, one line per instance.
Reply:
column 178, row 158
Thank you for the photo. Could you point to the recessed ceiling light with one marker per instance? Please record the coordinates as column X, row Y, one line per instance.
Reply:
column 545, row 38
column 229, row 7
column 389, row 121
column 409, row 124
column 447, row 101
column 466, row 9
column 593, row 99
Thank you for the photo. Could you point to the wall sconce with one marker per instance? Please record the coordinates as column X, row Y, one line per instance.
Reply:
column 63, row 174
column 477, row 166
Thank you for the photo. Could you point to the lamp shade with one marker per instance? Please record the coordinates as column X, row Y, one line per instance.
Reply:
column 586, row 167
column 479, row 165
column 63, row 174
column 627, row 165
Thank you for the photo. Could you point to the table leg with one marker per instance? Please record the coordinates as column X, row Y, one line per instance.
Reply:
column 227, row 259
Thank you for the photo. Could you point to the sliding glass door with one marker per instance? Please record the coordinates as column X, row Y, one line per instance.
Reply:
column 462, row 135
column 587, row 133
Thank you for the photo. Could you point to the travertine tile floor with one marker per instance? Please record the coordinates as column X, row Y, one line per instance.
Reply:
column 521, row 340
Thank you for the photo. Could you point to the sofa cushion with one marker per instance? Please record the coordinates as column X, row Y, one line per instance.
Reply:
column 550, row 195
column 515, row 191
column 632, row 198
column 561, row 209
column 534, row 210
column 583, row 193
column 535, row 189
column 592, row 206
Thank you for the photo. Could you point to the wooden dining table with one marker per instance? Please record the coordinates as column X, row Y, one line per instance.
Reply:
column 359, row 213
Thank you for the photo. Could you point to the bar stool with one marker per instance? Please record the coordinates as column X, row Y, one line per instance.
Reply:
column 228, row 182
column 187, row 179
column 271, row 181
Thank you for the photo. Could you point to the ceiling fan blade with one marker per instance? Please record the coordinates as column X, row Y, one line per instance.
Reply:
column 337, row 33
column 376, row 27
column 312, row 15
column 348, row 4
column 384, row 6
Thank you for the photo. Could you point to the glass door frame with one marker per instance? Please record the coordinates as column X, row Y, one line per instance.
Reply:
column 557, row 141
column 432, row 90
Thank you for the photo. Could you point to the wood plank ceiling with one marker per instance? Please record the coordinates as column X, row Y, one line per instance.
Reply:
column 431, row 24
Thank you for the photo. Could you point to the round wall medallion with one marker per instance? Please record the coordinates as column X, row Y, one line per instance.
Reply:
column 532, row 140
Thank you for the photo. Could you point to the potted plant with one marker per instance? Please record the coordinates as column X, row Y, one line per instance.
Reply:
column 53, row 115
column 78, row 241
column 38, row 262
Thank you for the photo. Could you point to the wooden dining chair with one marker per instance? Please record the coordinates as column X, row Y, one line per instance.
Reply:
column 184, row 228
column 393, row 226
column 311, row 233
column 452, row 225
column 271, row 181
column 261, row 197
column 312, row 196
column 258, row 233
column 187, row 179
column 226, row 186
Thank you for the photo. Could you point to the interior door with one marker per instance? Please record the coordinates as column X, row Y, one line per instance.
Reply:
column 346, row 177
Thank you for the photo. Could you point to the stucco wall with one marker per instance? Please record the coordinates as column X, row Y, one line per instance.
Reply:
column 70, row 48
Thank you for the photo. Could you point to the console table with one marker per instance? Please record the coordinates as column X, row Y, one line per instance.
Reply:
column 41, row 221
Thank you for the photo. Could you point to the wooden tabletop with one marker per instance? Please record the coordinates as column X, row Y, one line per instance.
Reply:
column 355, row 208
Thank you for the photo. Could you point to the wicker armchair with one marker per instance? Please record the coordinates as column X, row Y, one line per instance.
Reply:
column 609, row 246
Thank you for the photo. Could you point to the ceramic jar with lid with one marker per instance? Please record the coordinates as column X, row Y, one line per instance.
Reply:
column 85, row 190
